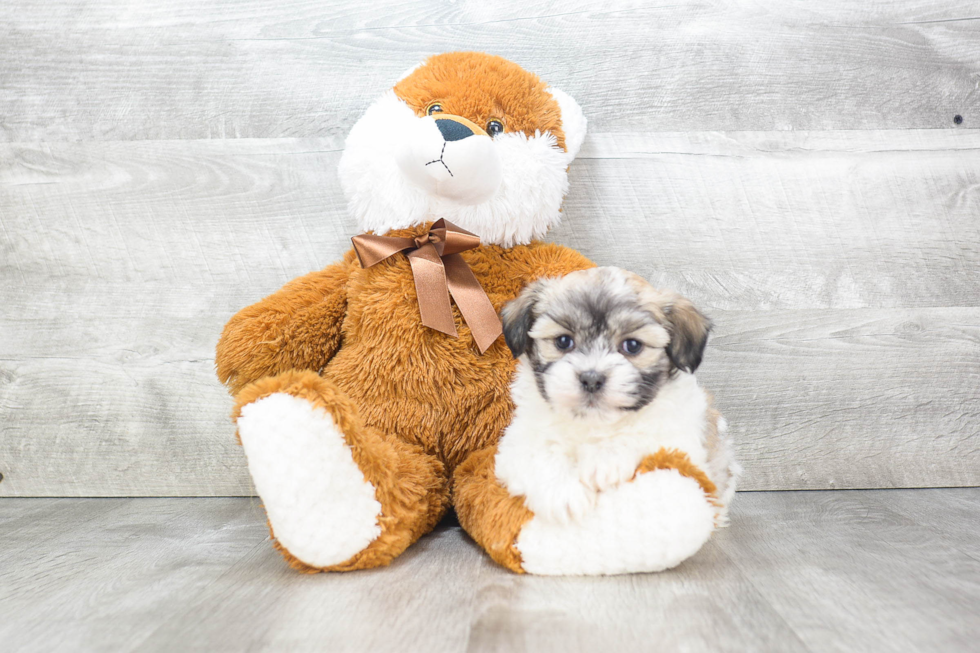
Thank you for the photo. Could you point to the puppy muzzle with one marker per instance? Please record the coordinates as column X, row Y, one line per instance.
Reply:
column 452, row 157
column 592, row 381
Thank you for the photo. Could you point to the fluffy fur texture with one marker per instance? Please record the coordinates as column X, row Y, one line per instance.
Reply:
column 560, row 463
column 620, row 535
column 489, row 513
column 653, row 523
column 411, row 402
column 631, row 474
column 572, row 120
column 335, row 374
column 281, row 435
column 398, row 171
column 409, row 484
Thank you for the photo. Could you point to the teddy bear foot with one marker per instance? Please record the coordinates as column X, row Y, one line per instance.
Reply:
column 321, row 509
column 339, row 494
column 652, row 523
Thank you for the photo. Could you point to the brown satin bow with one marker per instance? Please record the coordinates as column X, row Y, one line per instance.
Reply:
column 439, row 270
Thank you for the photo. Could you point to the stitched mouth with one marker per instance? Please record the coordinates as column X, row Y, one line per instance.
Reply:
column 439, row 160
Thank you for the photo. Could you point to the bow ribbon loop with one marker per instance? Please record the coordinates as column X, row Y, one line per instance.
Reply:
column 438, row 271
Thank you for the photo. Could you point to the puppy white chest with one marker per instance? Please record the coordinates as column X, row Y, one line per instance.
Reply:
column 560, row 464
column 590, row 515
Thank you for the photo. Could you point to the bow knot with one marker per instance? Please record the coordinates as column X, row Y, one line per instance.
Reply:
column 426, row 238
column 438, row 271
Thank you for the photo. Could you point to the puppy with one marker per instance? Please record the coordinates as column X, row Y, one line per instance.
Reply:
column 605, row 378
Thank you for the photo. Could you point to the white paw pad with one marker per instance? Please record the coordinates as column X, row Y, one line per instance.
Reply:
column 320, row 505
column 652, row 523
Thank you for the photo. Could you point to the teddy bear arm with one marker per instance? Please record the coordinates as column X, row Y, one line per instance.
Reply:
column 297, row 327
column 487, row 511
column 677, row 460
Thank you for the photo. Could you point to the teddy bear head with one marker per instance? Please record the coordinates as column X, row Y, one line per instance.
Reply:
column 469, row 137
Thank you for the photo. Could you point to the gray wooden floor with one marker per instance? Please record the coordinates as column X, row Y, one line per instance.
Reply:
column 881, row 570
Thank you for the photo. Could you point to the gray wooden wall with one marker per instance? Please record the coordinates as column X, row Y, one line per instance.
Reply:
column 793, row 167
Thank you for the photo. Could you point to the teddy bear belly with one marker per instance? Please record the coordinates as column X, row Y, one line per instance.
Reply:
column 650, row 524
column 450, row 411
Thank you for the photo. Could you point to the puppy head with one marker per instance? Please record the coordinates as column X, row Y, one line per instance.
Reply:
column 603, row 341
column 469, row 137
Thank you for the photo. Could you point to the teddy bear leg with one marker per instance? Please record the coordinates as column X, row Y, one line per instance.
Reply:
column 338, row 494
column 487, row 511
column 653, row 522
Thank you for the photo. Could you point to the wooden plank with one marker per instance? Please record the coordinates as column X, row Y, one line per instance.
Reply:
column 422, row 602
column 736, row 221
column 776, row 220
column 15, row 513
column 91, row 70
column 815, row 399
column 445, row 595
column 31, row 521
column 847, row 573
column 703, row 605
column 799, row 571
column 120, row 262
column 953, row 513
column 883, row 398
column 107, row 583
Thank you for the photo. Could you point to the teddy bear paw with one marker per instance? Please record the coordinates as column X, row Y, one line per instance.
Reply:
column 651, row 523
column 320, row 507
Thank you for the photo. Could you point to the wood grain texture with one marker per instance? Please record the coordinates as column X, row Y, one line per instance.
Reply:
column 100, row 70
column 841, row 269
column 850, row 398
column 949, row 512
column 108, row 581
column 801, row 571
column 848, row 573
column 786, row 220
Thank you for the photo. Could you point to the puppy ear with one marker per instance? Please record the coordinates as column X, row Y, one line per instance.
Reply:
column 518, row 317
column 688, row 333
column 573, row 121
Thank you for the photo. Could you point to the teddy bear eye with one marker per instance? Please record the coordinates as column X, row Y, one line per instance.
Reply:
column 495, row 127
column 433, row 108
column 564, row 343
column 631, row 346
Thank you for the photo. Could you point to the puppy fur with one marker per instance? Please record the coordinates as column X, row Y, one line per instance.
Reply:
column 605, row 378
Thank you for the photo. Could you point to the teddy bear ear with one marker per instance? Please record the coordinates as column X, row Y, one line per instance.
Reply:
column 573, row 121
column 410, row 71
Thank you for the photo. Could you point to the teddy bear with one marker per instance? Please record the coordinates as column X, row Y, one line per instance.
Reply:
column 368, row 402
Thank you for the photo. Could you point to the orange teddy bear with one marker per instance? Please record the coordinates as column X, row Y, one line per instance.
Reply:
column 361, row 424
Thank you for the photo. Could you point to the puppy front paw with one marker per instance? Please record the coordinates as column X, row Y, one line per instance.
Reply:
column 564, row 503
column 607, row 475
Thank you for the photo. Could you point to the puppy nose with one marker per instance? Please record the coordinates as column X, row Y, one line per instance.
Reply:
column 592, row 381
column 453, row 130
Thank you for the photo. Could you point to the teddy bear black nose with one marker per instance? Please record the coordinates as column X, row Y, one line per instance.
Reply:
column 452, row 130
column 592, row 381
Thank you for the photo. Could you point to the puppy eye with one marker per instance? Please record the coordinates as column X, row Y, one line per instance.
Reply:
column 564, row 343
column 495, row 127
column 433, row 108
column 631, row 346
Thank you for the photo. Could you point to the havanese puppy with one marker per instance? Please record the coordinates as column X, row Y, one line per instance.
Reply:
column 605, row 378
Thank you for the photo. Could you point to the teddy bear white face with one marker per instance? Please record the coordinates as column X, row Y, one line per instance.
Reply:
column 450, row 157
column 468, row 137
